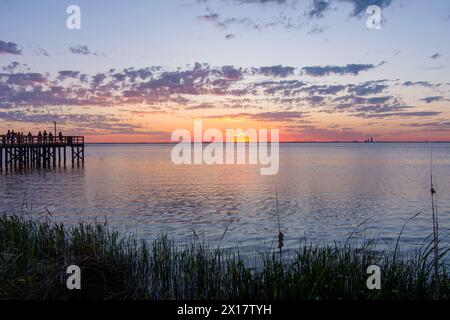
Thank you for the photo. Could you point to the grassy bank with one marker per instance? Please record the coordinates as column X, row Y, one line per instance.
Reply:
column 34, row 256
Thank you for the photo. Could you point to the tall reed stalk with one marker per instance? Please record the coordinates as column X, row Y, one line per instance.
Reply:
column 280, row 234
column 435, row 231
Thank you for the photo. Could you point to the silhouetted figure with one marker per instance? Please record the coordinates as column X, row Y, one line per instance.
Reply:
column 60, row 137
column 29, row 138
column 39, row 137
column 44, row 135
column 13, row 137
column 50, row 137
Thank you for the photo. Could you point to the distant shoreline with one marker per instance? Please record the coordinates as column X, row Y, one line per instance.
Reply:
column 284, row 142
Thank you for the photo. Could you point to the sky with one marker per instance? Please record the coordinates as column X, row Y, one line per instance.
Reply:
column 137, row 70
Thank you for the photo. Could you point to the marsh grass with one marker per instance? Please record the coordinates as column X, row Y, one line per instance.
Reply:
column 34, row 256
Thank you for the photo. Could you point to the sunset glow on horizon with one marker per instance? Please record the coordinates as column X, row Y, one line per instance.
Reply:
column 314, row 72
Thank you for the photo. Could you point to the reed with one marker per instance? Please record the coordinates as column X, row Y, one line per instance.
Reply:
column 435, row 230
column 34, row 255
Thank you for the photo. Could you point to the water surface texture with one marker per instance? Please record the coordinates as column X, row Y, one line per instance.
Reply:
column 325, row 193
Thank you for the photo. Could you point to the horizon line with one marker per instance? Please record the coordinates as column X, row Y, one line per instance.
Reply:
column 284, row 142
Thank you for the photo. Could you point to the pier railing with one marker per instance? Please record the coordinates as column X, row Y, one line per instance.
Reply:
column 25, row 140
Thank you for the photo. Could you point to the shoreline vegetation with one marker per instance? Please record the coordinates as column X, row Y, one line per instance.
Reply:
column 35, row 254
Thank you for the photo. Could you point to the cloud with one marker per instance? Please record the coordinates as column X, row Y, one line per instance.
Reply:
column 84, row 51
column 229, row 36
column 352, row 69
column 90, row 123
column 315, row 100
column 98, row 79
column 353, row 101
column 200, row 79
column 37, row 50
column 133, row 74
column 232, row 73
column 313, row 9
column 436, row 68
column 254, row 92
column 318, row 8
column 22, row 79
column 402, row 114
column 317, row 30
column 368, row 88
column 41, row 117
column 417, row 83
column 436, row 56
column 9, row 48
column 437, row 126
column 210, row 17
column 261, row 1
column 11, row 67
column 216, row 21
column 331, row 133
column 362, row 106
column 41, row 52
column 259, row 24
column 201, row 106
column 325, row 89
column 151, row 85
column 68, row 74
column 283, row 87
column 275, row 116
column 360, row 6
column 277, row 71
column 433, row 99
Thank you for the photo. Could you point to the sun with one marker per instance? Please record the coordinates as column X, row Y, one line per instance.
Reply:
column 241, row 137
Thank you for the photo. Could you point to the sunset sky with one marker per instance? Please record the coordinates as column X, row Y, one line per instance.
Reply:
column 139, row 69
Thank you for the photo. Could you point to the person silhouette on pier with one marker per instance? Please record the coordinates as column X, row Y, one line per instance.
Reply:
column 60, row 137
column 50, row 137
column 44, row 135
column 13, row 137
column 29, row 137
column 39, row 137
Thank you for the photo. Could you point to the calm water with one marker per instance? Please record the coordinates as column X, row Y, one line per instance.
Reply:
column 325, row 192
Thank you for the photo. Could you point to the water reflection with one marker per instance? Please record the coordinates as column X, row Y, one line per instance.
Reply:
column 325, row 192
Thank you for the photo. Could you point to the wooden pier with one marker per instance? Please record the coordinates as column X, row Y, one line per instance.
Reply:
column 27, row 152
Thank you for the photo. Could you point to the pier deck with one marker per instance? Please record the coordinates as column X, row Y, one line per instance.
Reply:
column 22, row 152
